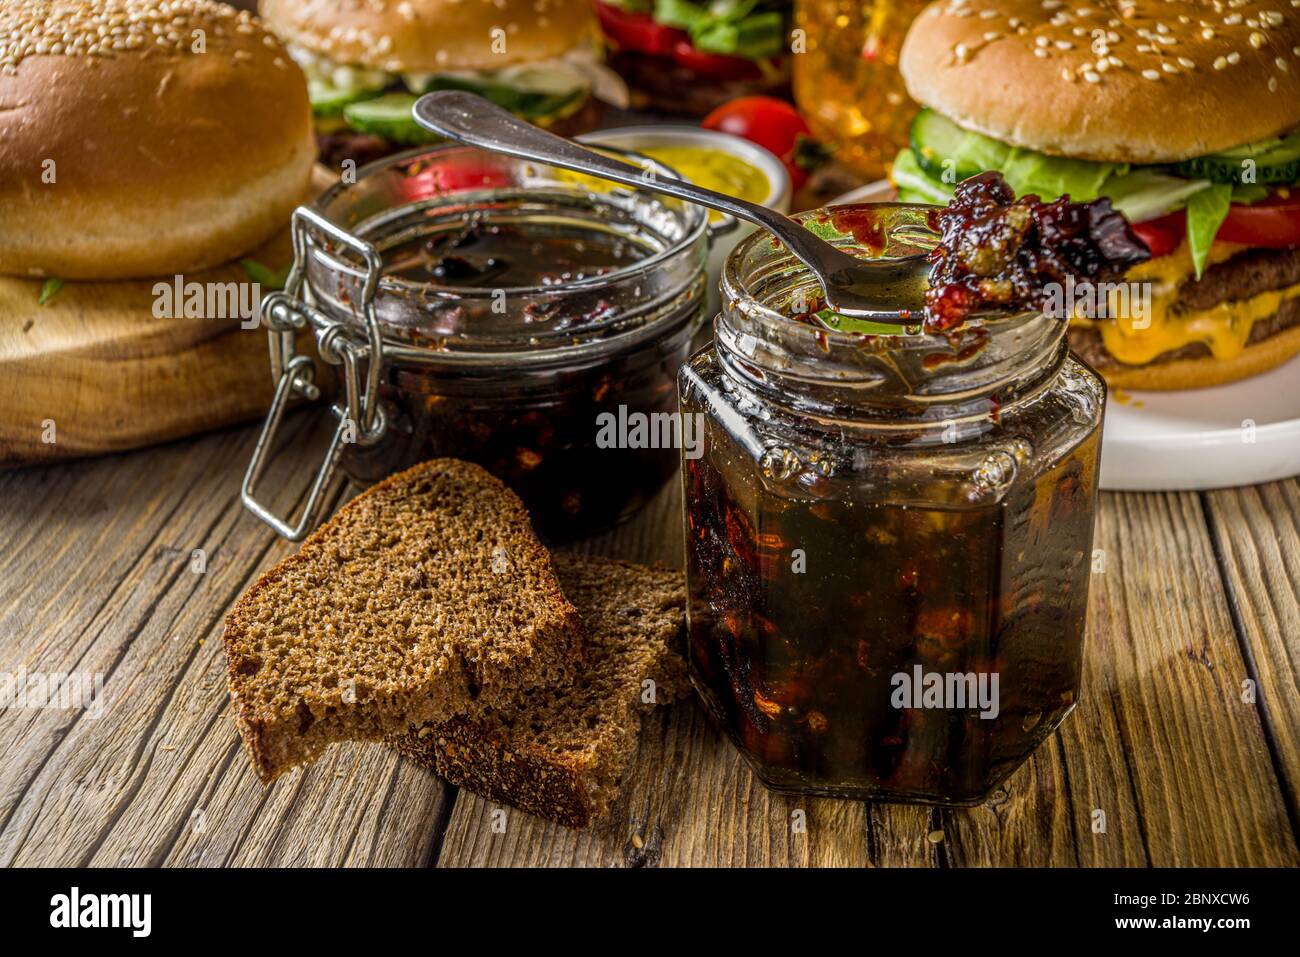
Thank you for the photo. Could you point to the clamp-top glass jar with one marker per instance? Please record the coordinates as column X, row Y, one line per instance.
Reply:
column 888, row 536
column 490, row 309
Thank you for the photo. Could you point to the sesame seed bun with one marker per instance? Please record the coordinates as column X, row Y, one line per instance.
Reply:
column 429, row 36
column 1132, row 81
column 132, row 146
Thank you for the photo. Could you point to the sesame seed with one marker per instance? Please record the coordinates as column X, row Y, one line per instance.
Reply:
column 1041, row 41
column 991, row 36
column 1282, row 64
column 988, row 14
column 1220, row 63
column 1064, row 45
column 1115, row 62
column 1092, row 76
column 961, row 51
column 1234, row 57
column 1151, row 74
column 1295, row 51
column 75, row 29
column 1207, row 34
column 1102, row 66
column 1258, row 39
column 1272, row 84
column 1068, row 74
column 1040, row 53
column 1232, row 19
column 1143, row 48
column 1186, row 63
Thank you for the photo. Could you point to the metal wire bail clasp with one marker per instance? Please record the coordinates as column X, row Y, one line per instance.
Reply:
column 360, row 417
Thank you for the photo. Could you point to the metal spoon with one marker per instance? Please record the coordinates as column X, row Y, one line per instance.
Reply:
column 882, row 291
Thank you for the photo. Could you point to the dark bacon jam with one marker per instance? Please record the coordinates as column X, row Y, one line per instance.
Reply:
column 485, row 254
column 997, row 252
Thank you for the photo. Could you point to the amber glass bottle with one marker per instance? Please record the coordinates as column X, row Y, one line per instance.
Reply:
column 846, row 79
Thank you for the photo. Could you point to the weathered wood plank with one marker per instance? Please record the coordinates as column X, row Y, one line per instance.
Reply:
column 690, row 800
column 1258, row 533
column 1159, row 730
column 160, row 776
column 94, row 558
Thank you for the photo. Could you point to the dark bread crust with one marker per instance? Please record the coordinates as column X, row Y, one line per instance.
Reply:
column 561, row 754
column 358, row 602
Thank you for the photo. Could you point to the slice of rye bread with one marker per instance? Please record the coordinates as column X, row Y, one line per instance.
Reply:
column 425, row 597
column 560, row 753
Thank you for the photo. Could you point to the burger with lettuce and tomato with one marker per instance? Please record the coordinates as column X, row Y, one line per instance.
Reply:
column 1186, row 115
column 367, row 61
column 691, row 56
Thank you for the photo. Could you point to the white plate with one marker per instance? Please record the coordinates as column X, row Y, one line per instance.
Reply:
column 1237, row 434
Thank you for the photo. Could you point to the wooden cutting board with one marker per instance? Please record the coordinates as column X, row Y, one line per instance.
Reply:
column 93, row 371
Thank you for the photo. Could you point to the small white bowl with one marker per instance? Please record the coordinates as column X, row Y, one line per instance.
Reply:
column 641, row 138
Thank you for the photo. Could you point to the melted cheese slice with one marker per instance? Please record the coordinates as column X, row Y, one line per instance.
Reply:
column 1224, row 328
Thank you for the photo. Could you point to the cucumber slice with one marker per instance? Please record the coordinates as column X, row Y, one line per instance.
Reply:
column 1276, row 163
column 329, row 100
column 914, row 185
column 533, row 103
column 389, row 117
column 942, row 147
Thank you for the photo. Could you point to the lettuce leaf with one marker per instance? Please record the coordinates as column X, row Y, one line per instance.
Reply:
column 1051, row 176
column 753, row 29
column 1206, row 212
column 1147, row 193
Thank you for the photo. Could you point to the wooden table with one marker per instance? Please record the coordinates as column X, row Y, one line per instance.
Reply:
column 98, row 573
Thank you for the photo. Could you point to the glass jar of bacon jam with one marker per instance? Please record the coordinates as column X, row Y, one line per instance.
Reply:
column 490, row 309
column 888, row 535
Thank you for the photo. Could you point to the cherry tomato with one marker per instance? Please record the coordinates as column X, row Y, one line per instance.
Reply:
column 1271, row 222
column 637, row 32
column 773, row 124
column 455, row 175
column 715, row 65
column 1163, row 235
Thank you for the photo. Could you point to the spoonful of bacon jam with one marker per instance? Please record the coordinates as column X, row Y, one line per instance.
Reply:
column 997, row 252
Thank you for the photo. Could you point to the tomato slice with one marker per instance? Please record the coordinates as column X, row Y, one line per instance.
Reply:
column 1271, row 222
column 638, row 32
column 1162, row 235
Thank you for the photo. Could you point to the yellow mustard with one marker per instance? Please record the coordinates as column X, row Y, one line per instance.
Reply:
column 713, row 169
column 705, row 166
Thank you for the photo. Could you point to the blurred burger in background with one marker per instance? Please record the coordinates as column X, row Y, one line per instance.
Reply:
column 1184, row 114
column 367, row 61
column 691, row 56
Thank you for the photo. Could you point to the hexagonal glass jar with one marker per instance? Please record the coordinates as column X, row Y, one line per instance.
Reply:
column 888, row 536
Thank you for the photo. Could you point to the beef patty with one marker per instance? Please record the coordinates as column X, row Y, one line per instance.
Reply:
column 1244, row 276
